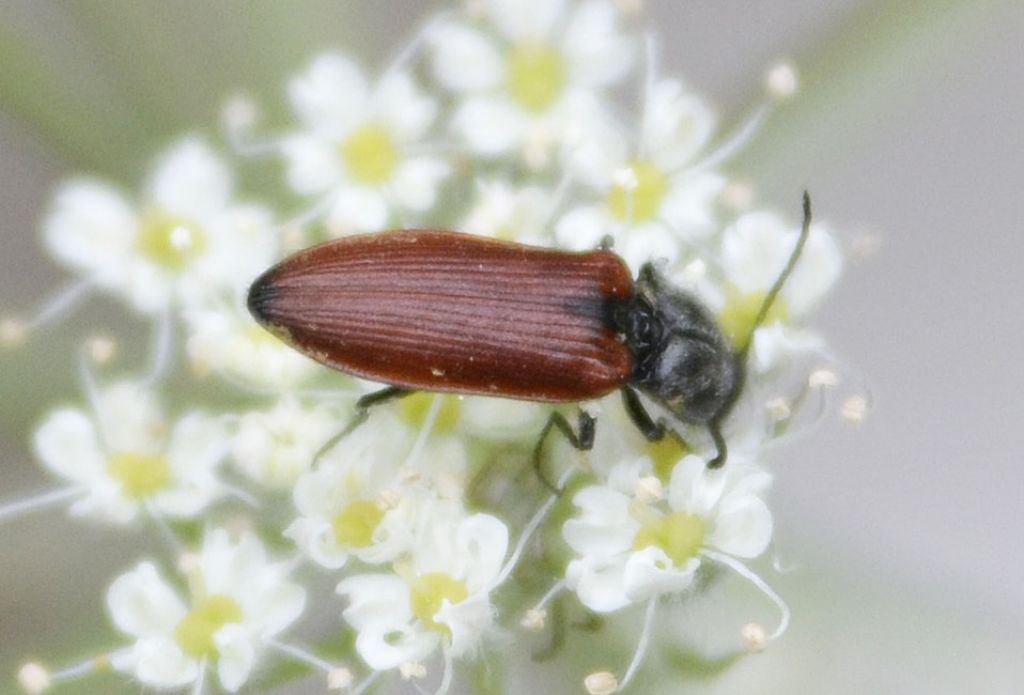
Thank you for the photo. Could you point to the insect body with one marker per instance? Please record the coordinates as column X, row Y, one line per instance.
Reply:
column 450, row 312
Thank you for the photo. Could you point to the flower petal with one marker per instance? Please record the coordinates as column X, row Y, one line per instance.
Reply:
column 66, row 443
column 484, row 541
column 313, row 164
column 331, row 96
column 235, row 656
column 191, row 181
column 489, row 125
column 416, row 181
column 743, row 526
column 649, row 573
column 596, row 51
column 91, row 226
column 159, row 662
column 694, row 488
column 142, row 604
column 525, row 19
column 464, row 59
column 406, row 109
column 599, row 583
column 357, row 209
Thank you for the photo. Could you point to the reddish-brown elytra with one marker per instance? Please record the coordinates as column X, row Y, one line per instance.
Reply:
column 444, row 311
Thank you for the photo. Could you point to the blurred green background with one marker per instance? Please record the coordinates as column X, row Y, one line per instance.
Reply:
column 905, row 534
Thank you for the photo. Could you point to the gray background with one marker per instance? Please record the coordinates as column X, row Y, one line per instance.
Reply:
column 907, row 531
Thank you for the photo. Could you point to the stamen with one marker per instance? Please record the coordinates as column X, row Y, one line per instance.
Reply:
column 166, row 532
column 778, row 409
column 601, row 683
column 446, row 678
column 339, row 678
column 649, row 490
column 748, row 574
column 530, row 528
column 316, row 209
column 822, row 378
column 556, row 199
column 305, row 656
column 34, row 678
column 534, row 620
column 366, row 683
column 12, row 332
column 419, row 35
column 555, row 590
column 650, row 41
column 781, row 81
column 735, row 142
column 855, row 409
column 641, row 646
column 201, row 680
column 101, row 349
column 84, row 668
column 46, row 500
column 412, row 670
column 424, row 433
column 754, row 638
column 60, row 304
column 161, row 348
column 238, row 117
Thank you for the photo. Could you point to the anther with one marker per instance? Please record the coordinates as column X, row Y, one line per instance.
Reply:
column 601, row 683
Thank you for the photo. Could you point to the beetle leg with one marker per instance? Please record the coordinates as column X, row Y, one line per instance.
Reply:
column 652, row 430
column 716, row 433
column 362, row 409
column 584, row 441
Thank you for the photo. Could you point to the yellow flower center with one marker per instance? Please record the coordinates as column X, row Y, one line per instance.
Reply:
column 639, row 203
column 370, row 154
column 740, row 310
column 140, row 475
column 680, row 535
column 354, row 527
column 169, row 240
column 194, row 634
column 416, row 407
column 536, row 75
column 428, row 592
column 665, row 454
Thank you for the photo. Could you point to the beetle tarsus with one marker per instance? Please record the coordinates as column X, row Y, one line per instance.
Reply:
column 362, row 412
column 584, row 441
column 723, row 452
column 382, row 396
column 652, row 430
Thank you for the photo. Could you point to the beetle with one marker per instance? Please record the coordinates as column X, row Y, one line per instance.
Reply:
column 450, row 312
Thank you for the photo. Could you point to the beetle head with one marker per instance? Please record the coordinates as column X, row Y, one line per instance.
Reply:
column 681, row 358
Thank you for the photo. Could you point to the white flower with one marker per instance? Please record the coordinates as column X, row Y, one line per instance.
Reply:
column 184, row 237
column 276, row 446
column 123, row 457
column 442, row 594
column 535, row 79
column 223, row 338
column 358, row 144
column 238, row 600
column 651, row 196
column 754, row 252
column 509, row 212
column 352, row 503
column 630, row 548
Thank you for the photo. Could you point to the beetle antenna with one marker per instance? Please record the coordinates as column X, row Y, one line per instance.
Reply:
column 773, row 293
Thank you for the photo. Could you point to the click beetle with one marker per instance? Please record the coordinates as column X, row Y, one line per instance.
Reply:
column 450, row 312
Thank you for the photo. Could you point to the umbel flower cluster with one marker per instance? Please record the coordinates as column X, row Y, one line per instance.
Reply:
column 544, row 122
